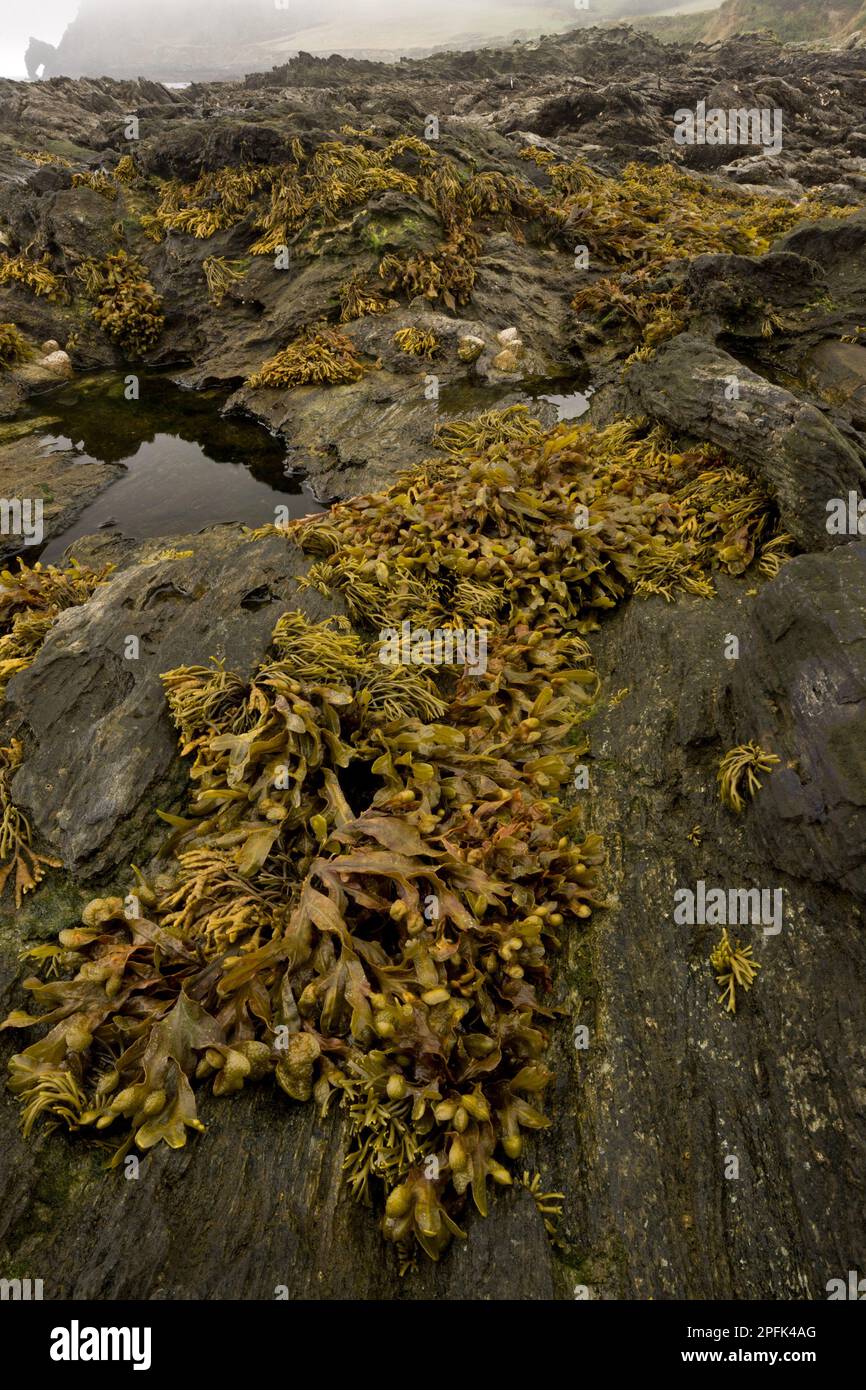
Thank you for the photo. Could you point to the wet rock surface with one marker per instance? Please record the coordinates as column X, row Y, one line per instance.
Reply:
column 676, row 1087
column 671, row 1087
column 60, row 480
column 96, row 680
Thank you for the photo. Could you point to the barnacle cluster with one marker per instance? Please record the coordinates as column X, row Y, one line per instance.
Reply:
column 127, row 308
column 322, row 355
column 365, row 892
column 14, row 347
column 738, row 773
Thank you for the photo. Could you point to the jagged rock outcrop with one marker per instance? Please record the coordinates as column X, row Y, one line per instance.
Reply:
column 802, row 457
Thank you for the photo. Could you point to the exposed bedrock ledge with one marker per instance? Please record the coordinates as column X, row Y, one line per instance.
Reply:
column 802, row 679
column 803, row 459
column 672, row 1085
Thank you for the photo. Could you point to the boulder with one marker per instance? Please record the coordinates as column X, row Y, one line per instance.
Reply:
column 59, row 364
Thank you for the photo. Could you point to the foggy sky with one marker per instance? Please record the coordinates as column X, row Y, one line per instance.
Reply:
column 19, row 19
column 319, row 24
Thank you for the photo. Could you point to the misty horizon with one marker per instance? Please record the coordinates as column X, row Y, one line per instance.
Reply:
column 166, row 39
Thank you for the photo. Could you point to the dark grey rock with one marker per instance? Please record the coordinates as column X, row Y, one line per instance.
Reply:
column 802, row 458
column 100, row 742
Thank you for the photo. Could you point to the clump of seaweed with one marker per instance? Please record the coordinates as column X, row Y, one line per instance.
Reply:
column 43, row 157
column 738, row 774
column 213, row 203
column 647, row 220
column 30, row 601
column 641, row 226
column 317, row 190
column 126, row 170
column 734, row 968
column 16, row 851
column 220, row 275
column 128, row 308
column 359, row 298
column 493, row 430
column 548, row 1204
column 323, row 356
column 447, row 274
column 14, row 347
column 417, row 342
column 282, row 199
column 390, row 958
column 98, row 181
column 33, row 275
column 367, row 888
column 624, row 302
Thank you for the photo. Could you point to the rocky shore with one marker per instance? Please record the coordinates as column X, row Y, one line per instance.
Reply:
column 459, row 235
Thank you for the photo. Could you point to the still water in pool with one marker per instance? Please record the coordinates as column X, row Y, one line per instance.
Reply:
column 185, row 465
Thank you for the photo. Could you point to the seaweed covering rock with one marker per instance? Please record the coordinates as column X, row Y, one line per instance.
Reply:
column 375, row 864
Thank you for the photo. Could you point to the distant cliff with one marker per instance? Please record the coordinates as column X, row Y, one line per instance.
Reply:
column 206, row 40
column 793, row 21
